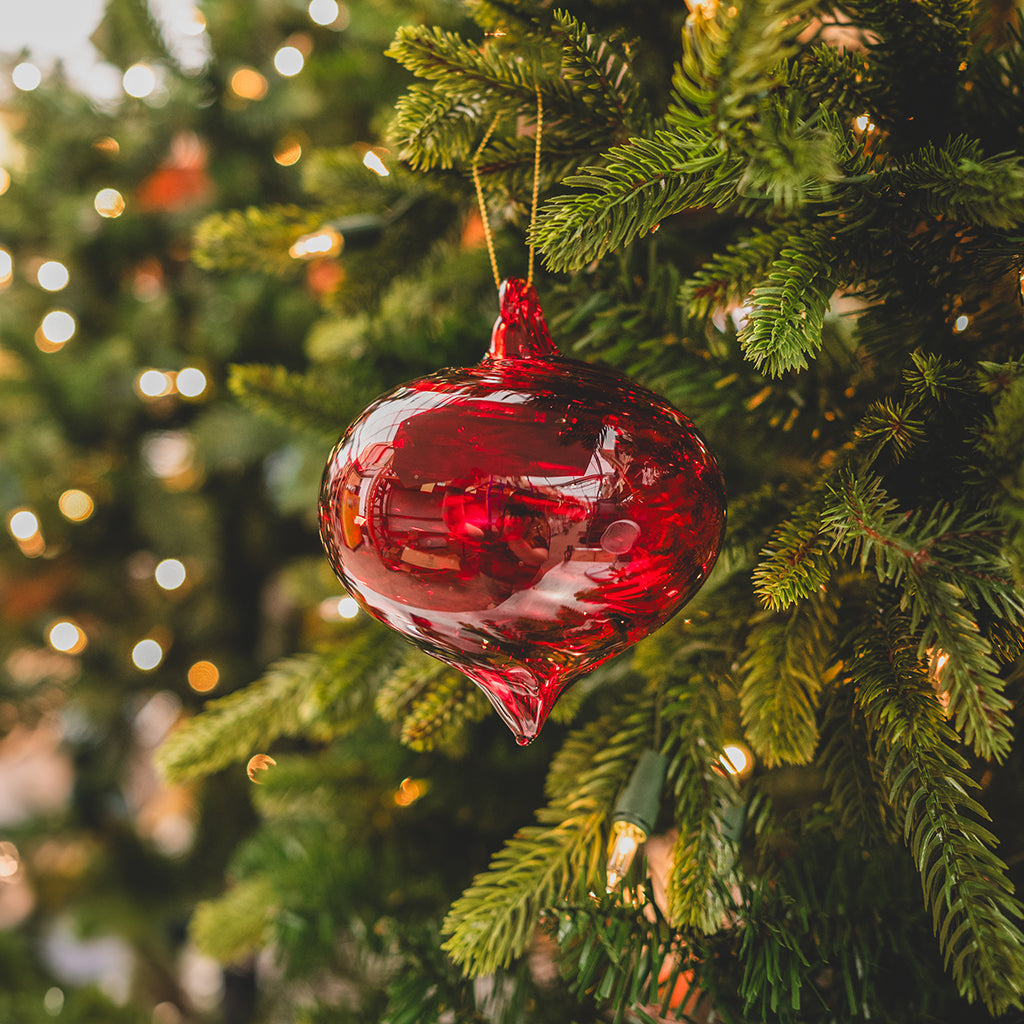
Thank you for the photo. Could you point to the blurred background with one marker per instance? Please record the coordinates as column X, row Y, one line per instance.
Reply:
column 159, row 543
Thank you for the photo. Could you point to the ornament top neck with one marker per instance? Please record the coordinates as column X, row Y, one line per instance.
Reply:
column 520, row 331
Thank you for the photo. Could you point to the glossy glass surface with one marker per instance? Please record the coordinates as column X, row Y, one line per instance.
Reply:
column 524, row 519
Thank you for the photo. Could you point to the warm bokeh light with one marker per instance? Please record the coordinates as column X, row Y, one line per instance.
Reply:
column 107, row 145
column 5, row 180
column 191, row 382
column 193, row 23
column 288, row 61
column 6, row 268
column 170, row 574
column 58, row 327
column 325, row 242
column 334, row 608
column 324, row 12
column 961, row 324
column 372, row 161
column 154, row 384
column 203, row 676
column 288, row 152
column 67, row 637
column 248, row 84
column 139, row 81
column 258, row 763
column 23, row 524
column 75, row 505
column 10, row 860
column 409, row 791
column 169, row 455
column 109, row 202
column 26, row 76
column 53, row 276
column 737, row 759
column 147, row 654
column 863, row 123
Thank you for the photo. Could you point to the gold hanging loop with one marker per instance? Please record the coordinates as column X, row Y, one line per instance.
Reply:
column 488, row 236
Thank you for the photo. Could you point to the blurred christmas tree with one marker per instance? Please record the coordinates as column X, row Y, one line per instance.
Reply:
column 804, row 225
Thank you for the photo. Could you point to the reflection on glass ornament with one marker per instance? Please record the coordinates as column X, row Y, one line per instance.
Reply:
column 524, row 519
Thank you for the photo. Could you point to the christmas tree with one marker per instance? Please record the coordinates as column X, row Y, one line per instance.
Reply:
column 802, row 224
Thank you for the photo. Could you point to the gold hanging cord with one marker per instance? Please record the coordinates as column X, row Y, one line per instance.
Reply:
column 488, row 236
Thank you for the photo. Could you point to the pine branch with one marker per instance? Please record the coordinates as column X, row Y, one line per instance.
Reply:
column 959, row 181
column 1001, row 447
column 237, row 923
column 298, row 400
column 974, row 913
column 494, row 919
column 434, row 129
column 728, row 278
column 796, row 563
column 641, row 183
column 434, row 703
column 598, row 70
column 704, row 852
column 617, row 954
column 256, row 239
column 785, row 666
column 946, row 563
column 317, row 696
column 858, row 800
column 787, row 310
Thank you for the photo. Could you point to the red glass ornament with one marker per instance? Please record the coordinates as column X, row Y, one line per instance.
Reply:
column 524, row 519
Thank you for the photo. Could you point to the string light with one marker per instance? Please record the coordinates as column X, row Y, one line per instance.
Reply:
column 409, row 791
column 325, row 242
column 139, row 81
column 26, row 76
column 52, row 276
column 324, row 12
column 288, row 151
column 374, row 163
column 288, row 61
column 154, row 384
column 170, row 574
column 58, row 327
column 737, row 759
column 203, row 676
column 258, row 763
column 191, row 382
column 961, row 323
column 109, row 202
column 23, row 524
column 635, row 814
column 147, row 654
column 334, row 608
column 67, row 637
column 75, row 505
column 248, row 84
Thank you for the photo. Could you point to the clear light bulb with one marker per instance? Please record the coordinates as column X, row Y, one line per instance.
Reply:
column 626, row 838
